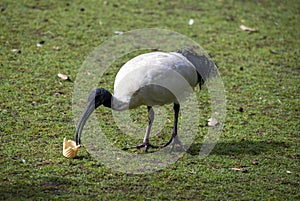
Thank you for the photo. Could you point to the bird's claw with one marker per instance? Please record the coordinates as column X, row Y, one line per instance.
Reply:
column 180, row 145
column 146, row 145
column 173, row 141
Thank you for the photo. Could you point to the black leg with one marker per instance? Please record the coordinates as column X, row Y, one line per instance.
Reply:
column 176, row 108
column 174, row 139
column 146, row 143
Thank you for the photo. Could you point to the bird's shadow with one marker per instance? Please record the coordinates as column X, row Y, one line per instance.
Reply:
column 232, row 148
column 240, row 148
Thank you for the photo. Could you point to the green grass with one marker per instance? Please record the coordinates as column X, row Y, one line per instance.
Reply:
column 36, row 106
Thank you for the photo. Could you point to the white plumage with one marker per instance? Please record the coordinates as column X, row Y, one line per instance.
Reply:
column 142, row 80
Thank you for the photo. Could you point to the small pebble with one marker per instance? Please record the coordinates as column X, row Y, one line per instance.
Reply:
column 240, row 109
column 212, row 122
column 191, row 21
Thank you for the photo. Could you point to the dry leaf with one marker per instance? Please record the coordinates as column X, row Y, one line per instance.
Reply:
column 40, row 44
column 273, row 52
column 243, row 169
column 55, row 47
column 62, row 76
column 244, row 28
column 16, row 50
column 119, row 32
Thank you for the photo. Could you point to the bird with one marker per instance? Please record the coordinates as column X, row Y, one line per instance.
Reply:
column 152, row 79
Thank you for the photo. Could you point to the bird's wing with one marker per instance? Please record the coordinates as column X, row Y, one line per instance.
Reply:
column 156, row 68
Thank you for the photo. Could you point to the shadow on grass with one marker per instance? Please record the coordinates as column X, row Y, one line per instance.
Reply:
column 245, row 147
column 48, row 187
column 52, row 187
column 241, row 148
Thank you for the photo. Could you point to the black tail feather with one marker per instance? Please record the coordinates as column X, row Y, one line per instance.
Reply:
column 204, row 65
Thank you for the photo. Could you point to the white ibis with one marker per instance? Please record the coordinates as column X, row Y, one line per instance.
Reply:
column 136, row 84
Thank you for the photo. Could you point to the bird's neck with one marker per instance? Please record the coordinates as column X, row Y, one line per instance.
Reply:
column 118, row 105
column 110, row 101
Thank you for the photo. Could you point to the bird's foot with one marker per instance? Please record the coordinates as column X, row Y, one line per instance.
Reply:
column 146, row 145
column 175, row 141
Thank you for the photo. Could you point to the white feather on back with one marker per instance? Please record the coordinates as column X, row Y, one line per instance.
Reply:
column 148, row 79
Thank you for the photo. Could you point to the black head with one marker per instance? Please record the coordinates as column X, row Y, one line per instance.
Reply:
column 100, row 96
column 96, row 98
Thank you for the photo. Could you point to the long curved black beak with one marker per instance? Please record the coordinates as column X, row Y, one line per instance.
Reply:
column 89, row 108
